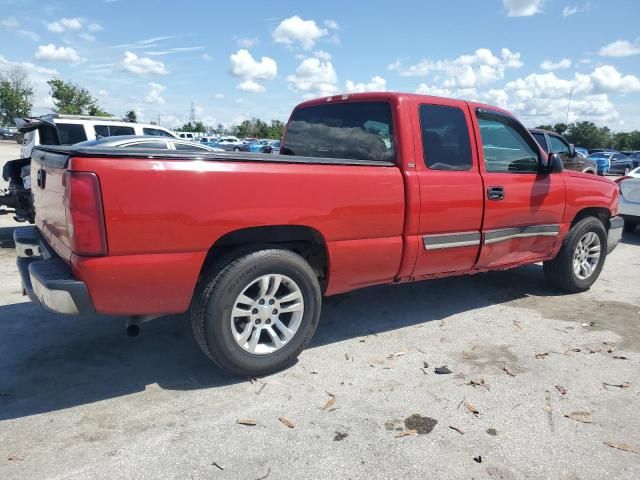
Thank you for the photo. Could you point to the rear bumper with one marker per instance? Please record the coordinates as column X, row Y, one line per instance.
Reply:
column 615, row 233
column 46, row 278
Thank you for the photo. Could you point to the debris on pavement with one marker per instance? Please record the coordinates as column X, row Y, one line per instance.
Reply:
column 339, row 436
column 507, row 371
column 262, row 387
column 618, row 385
column 397, row 354
column 286, row 421
column 477, row 459
column 331, row 401
column 623, row 446
column 405, row 433
column 620, row 357
column 265, row 476
column 247, row 422
column 472, row 408
column 589, row 324
column 15, row 458
column 421, row 425
column 217, row 465
column 541, row 355
column 580, row 416
column 561, row 389
column 457, row 429
column 492, row 431
column 479, row 383
column 517, row 324
column 442, row 370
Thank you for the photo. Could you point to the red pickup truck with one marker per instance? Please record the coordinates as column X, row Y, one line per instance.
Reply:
column 368, row 189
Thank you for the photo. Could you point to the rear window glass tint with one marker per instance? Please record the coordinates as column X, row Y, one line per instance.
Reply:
column 354, row 130
column 112, row 130
column 445, row 138
column 155, row 132
column 71, row 133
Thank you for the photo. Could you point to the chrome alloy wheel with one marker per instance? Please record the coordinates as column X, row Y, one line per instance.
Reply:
column 267, row 314
column 586, row 255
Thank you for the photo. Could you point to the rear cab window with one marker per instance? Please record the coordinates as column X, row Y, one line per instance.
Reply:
column 445, row 138
column 349, row 130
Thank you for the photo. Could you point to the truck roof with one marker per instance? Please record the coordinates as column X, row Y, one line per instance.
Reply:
column 395, row 96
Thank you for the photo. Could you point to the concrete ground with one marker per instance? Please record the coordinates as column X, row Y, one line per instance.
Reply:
column 554, row 380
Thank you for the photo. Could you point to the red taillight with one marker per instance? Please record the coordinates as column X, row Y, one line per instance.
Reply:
column 85, row 217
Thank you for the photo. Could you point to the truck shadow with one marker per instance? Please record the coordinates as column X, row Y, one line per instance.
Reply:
column 50, row 362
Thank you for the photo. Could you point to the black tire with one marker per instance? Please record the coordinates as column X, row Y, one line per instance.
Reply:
column 236, row 149
column 559, row 271
column 215, row 297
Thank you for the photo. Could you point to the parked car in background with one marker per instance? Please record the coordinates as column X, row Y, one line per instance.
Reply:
column 135, row 141
column 634, row 156
column 275, row 147
column 70, row 129
column 602, row 160
column 629, row 206
column 8, row 133
column 582, row 151
column 230, row 144
column 261, row 146
column 552, row 142
column 620, row 164
column 187, row 136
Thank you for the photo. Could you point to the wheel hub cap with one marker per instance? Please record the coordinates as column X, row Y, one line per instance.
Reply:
column 586, row 255
column 267, row 314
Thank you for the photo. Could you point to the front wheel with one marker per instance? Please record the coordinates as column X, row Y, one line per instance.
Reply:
column 256, row 314
column 581, row 257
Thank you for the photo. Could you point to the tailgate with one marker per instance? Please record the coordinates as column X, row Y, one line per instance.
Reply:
column 47, row 185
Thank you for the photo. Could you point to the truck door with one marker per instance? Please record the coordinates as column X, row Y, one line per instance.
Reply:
column 523, row 207
column 451, row 199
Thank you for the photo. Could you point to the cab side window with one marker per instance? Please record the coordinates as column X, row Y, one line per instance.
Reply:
column 505, row 148
column 71, row 133
column 558, row 145
column 541, row 140
column 445, row 138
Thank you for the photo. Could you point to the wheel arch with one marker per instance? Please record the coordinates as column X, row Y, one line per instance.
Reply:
column 601, row 213
column 306, row 241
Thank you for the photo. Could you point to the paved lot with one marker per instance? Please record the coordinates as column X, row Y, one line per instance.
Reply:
column 78, row 399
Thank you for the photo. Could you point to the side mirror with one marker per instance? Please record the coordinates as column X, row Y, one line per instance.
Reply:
column 554, row 163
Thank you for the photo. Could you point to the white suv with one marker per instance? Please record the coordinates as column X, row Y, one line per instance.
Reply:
column 70, row 129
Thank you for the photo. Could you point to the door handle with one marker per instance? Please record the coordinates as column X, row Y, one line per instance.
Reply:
column 495, row 193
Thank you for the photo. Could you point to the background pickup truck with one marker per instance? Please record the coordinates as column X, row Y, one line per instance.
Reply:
column 370, row 188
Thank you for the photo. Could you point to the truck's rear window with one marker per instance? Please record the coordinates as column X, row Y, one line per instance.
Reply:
column 352, row 130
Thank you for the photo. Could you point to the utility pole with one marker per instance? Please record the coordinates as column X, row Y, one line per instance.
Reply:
column 192, row 114
column 569, row 106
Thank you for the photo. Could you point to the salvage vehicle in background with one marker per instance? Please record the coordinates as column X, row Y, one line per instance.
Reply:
column 552, row 142
column 634, row 156
column 612, row 162
column 370, row 188
column 630, row 199
column 231, row 144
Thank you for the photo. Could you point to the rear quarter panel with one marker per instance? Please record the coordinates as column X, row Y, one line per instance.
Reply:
column 179, row 208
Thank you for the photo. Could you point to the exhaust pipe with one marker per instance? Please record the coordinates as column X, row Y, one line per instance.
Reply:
column 133, row 323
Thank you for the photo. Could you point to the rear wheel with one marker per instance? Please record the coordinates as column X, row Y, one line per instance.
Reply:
column 256, row 314
column 581, row 257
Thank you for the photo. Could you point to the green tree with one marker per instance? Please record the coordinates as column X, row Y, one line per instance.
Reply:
column 16, row 93
column 544, row 127
column 560, row 128
column 72, row 99
column 588, row 135
column 131, row 116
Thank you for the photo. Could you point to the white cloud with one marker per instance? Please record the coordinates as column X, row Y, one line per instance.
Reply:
column 314, row 77
column 322, row 55
column 219, row 95
column 251, row 87
column 206, row 57
column 244, row 66
column 572, row 10
column 65, row 25
column 376, row 84
column 154, row 94
column 173, row 50
column 10, row 22
column 246, row 42
column 52, row 53
column 425, row 89
column 331, row 24
column 466, row 71
column 94, row 27
column 33, row 36
column 522, row 8
column 549, row 65
column 295, row 30
column 607, row 79
column 87, row 37
column 142, row 65
column 621, row 48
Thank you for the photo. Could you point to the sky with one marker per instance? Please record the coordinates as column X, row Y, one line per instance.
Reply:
column 247, row 59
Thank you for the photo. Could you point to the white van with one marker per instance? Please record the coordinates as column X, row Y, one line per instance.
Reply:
column 70, row 129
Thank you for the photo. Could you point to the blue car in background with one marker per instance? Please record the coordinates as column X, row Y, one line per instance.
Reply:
column 603, row 161
column 260, row 146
